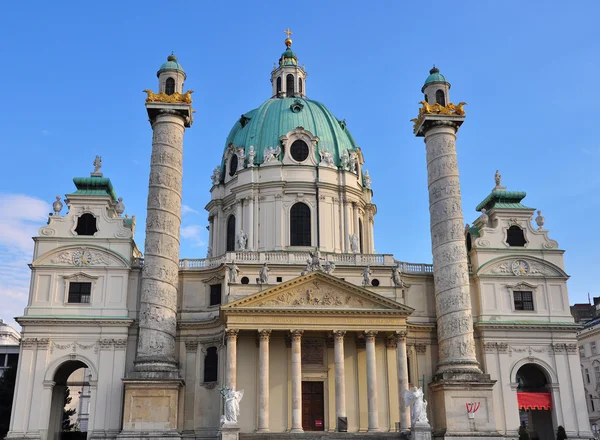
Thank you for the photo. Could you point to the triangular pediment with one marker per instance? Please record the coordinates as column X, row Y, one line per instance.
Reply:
column 317, row 291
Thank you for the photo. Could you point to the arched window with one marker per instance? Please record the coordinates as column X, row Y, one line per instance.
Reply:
column 426, row 100
column 469, row 243
column 86, row 225
column 360, row 235
column 515, row 236
column 230, row 233
column 440, row 98
column 211, row 365
column 300, row 225
column 170, row 86
column 300, row 89
column 278, row 85
column 289, row 85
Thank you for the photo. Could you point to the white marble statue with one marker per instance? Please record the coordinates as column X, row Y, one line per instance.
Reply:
column 498, row 178
column 328, row 267
column 418, row 406
column 367, row 276
column 345, row 160
column 263, row 274
column 242, row 240
column 397, row 277
column 97, row 164
column 353, row 162
column 484, row 218
column 241, row 154
column 251, row 156
column 327, row 158
column 216, row 175
column 270, row 154
column 367, row 180
column 354, row 243
column 231, row 405
column 234, row 272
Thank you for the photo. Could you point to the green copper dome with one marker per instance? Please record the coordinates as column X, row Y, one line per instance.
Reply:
column 288, row 58
column 171, row 64
column 263, row 126
column 435, row 76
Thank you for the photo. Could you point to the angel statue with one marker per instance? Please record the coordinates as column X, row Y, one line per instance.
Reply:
column 327, row 158
column 263, row 274
column 97, row 164
column 353, row 162
column 498, row 178
column 251, row 156
column 234, row 272
column 231, row 406
column 270, row 154
column 216, row 175
column 242, row 240
column 345, row 160
column 418, row 406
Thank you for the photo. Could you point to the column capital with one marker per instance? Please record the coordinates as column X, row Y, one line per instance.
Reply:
column 391, row 342
column 231, row 333
column 339, row 334
column 370, row 335
column 400, row 336
column 264, row 334
column 296, row 334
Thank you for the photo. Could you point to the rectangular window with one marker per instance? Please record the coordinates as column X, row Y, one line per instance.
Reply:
column 587, row 375
column 592, row 402
column 215, row 294
column 80, row 293
column 523, row 300
column 11, row 360
column 593, row 347
column 581, row 351
column 2, row 360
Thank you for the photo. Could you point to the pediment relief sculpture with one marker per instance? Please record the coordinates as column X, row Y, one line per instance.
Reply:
column 522, row 267
column 317, row 291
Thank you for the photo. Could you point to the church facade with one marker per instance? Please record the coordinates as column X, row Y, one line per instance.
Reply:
column 291, row 304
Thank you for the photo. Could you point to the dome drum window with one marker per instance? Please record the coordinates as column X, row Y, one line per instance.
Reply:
column 299, row 146
column 299, row 150
column 300, row 225
column 233, row 164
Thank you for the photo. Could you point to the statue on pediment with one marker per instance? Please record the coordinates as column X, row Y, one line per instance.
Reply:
column 367, row 276
column 263, row 274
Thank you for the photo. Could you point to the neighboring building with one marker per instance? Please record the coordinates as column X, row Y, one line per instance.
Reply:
column 588, row 339
column 10, row 340
column 292, row 305
column 584, row 312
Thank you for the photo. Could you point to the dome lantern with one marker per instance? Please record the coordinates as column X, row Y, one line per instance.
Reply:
column 288, row 80
column 171, row 76
column 436, row 88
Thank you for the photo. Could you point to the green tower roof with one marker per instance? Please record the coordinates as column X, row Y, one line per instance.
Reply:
column 171, row 64
column 94, row 186
column 263, row 126
column 503, row 199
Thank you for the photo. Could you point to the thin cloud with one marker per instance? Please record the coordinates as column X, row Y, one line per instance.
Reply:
column 195, row 234
column 186, row 209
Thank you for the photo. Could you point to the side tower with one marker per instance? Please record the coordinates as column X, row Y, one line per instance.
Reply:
column 155, row 365
column 458, row 370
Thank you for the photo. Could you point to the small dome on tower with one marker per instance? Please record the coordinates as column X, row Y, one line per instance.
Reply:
column 435, row 77
column 171, row 64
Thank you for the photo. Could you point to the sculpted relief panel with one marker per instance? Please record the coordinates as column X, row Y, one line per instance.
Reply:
column 522, row 267
column 82, row 257
column 317, row 294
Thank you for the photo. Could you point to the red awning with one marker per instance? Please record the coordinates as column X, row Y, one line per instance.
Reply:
column 534, row 400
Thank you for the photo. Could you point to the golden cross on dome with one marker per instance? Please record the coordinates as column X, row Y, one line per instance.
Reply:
column 288, row 32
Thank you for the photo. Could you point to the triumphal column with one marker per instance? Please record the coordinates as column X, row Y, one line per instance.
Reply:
column 458, row 379
column 152, row 388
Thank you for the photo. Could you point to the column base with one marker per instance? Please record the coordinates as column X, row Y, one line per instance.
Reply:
column 151, row 408
column 450, row 392
column 296, row 430
column 229, row 433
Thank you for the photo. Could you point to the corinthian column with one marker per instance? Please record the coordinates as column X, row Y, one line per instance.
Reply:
column 158, row 303
column 296, row 381
column 263, row 381
column 402, row 378
column 371, row 382
column 340, row 384
column 231, row 366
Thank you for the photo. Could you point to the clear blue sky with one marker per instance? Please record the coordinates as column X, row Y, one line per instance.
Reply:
column 74, row 71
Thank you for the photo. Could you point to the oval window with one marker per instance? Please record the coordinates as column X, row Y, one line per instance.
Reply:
column 233, row 164
column 299, row 151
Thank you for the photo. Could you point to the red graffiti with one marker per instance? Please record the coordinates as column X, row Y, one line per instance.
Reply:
column 472, row 407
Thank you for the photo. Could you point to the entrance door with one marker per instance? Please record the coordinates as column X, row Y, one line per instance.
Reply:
column 313, row 408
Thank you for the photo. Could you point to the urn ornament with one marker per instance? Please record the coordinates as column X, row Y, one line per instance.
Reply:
column 57, row 205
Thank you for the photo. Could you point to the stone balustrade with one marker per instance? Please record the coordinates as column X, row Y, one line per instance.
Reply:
column 299, row 257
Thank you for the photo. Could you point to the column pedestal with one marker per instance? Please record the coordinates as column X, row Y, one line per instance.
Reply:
column 229, row 433
column 151, row 409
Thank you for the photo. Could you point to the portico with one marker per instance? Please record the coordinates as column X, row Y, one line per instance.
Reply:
column 328, row 326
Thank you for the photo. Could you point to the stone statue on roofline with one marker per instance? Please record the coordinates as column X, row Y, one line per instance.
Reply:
column 97, row 166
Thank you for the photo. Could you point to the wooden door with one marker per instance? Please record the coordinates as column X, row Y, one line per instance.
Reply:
column 313, row 406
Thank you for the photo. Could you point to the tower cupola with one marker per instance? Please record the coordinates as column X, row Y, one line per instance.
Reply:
column 289, row 80
column 436, row 88
column 171, row 76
